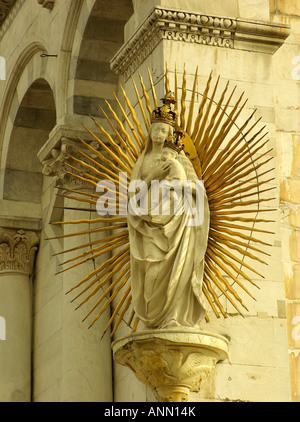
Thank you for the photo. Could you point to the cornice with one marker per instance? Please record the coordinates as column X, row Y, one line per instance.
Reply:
column 188, row 27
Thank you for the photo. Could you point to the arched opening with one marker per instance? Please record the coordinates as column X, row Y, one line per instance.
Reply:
column 35, row 118
column 103, row 36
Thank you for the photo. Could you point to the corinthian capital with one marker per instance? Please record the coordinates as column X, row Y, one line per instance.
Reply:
column 17, row 250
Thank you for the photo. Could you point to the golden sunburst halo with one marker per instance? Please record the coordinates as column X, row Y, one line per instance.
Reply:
column 231, row 160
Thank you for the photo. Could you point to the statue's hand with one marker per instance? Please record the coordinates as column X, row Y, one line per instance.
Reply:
column 160, row 171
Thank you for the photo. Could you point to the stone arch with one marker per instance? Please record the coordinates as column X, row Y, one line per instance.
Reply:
column 29, row 69
column 102, row 30
column 35, row 118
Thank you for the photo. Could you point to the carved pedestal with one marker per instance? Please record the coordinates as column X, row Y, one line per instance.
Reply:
column 171, row 362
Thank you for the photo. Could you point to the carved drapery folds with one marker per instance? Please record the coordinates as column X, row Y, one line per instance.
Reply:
column 17, row 250
column 48, row 4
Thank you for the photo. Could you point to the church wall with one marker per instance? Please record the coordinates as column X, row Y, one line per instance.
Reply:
column 257, row 368
column 286, row 77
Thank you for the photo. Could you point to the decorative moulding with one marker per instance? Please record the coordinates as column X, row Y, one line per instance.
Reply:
column 58, row 163
column 172, row 362
column 177, row 25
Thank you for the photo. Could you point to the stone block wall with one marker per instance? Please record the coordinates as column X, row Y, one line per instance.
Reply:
column 286, row 77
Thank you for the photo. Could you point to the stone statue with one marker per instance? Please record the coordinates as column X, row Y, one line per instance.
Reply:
column 167, row 253
column 157, row 274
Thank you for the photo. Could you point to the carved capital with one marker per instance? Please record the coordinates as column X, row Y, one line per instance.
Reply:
column 17, row 250
column 171, row 362
column 48, row 4
column 59, row 165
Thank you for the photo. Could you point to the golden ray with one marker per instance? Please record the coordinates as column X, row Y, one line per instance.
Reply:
column 113, row 144
column 135, row 119
column 105, row 266
column 191, row 109
column 200, row 134
column 130, row 161
column 183, row 97
column 124, row 277
column 201, row 108
column 167, row 81
column 128, row 144
column 109, row 288
column 176, row 94
column 109, row 151
column 122, row 313
column 131, row 127
column 213, row 259
column 141, row 107
column 146, row 96
column 152, row 89
column 118, row 307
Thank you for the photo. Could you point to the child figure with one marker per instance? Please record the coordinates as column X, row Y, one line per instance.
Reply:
column 169, row 156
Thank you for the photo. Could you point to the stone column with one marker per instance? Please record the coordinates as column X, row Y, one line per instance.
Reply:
column 86, row 370
column 17, row 253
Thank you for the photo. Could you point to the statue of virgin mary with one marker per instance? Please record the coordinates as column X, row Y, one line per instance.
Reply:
column 167, row 249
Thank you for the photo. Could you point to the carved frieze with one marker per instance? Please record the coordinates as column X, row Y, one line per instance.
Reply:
column 188, row 27
column 17, row 250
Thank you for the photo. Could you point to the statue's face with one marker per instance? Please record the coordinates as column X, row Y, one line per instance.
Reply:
column 159, row 132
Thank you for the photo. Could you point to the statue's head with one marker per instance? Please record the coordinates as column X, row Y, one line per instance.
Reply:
column 163, row 124
column 160, row 132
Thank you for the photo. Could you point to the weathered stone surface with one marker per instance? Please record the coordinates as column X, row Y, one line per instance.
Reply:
column 171, row 362
column 290, row 7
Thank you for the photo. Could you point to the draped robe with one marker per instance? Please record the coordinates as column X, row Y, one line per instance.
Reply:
column 167, row 261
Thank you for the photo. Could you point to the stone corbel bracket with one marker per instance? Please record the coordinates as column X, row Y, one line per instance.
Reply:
column 171, row 362
column 58, row 165
column 189, row 27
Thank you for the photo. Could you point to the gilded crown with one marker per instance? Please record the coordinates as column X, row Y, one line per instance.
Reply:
column 175, row 141
column 165, row 114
